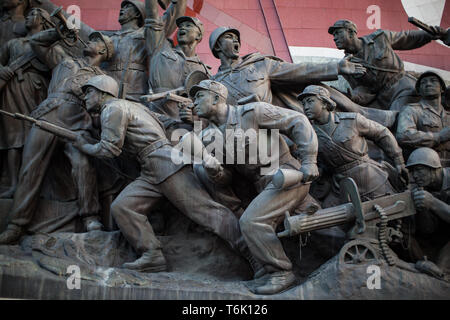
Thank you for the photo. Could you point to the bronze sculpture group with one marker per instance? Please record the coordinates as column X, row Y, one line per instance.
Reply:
column 98, row 97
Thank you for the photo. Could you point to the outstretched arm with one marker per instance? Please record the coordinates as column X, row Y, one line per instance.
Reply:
column 43, row 46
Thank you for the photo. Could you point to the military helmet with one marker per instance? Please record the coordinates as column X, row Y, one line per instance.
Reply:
column 195, row 21
column 347, row 24
column 318, row 91
column 424, row 156
column 217, row 33
column 212, row 86
column 103, row 83
column 108, row 43
column 428, row 74
column 140, row 6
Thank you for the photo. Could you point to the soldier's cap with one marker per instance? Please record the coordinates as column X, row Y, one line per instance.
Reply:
column 217, row 33
column 210, row 85
column 342, row 24
column 195, row 21
column 139, row 5
column 106, row 40
column 318, row 91
column 428, row 74
column 103, row 83
column 424, row 156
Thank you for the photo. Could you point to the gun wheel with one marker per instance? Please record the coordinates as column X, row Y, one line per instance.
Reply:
column 357, row 252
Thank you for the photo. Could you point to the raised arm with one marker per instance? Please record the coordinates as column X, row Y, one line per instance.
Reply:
column 43, row 45
column 157, row 28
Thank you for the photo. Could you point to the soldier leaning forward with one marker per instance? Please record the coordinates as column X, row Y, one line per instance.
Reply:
column 343, row 146
column 131, row 126
column 64, row 107
column 266, row 211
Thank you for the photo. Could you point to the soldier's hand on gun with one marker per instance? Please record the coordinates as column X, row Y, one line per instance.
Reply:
column 6, row 73
column 80, row 142
column 186, row 114
column 212, row 166
column 440, row 33
column 346, row 67
column 310, row 172
column 422, row 198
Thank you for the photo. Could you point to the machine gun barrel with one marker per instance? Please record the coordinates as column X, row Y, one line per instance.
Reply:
column 395, row 206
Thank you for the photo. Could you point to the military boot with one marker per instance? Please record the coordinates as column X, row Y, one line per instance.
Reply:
column 11, row 235
column 150, row 261
column 276, row 282
column 257, row 267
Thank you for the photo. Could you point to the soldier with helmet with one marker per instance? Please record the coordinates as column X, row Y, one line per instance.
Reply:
column 131, row 126
column 129, row 63
column 426, row 123
column 386, row 85
column 259, row 220
column 431, row 196
column 251, row 77
column 170, row 64
column 343, row 146
column 12, row 19
column 64, row 107
column 24, row 89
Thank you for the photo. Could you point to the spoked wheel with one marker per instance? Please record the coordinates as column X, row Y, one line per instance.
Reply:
column 357, row 252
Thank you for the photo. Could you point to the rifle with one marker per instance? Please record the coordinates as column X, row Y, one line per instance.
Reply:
column 44, row 125
column 17, row 65
column 428, row 29
column 62, row 133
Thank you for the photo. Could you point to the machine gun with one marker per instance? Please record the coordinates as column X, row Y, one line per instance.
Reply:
column 370, row 235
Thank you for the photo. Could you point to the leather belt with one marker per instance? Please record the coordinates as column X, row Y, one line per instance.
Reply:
column 152, row 147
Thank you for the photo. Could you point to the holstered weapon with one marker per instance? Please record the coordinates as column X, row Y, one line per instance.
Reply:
column 17, row 67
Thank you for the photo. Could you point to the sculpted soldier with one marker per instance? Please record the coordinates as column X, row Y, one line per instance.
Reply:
column 386, row 85
column 259, row 220
column 64, row 107
column 431, row 195
column 131, row 126
column 252, row 77
column 426, row 123
column 343, row 146
column 170, row 64
column 12, row 19
column 24, row 89
column 129, row 63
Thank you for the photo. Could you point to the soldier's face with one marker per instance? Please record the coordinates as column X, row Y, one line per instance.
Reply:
column 430, row 87
column 127, row 13
column 422, row 175
column 94, row 46
column 33, row 19
column 203, row 103
column 341, row 38
column 92, row 99
column 313, row 107
column 188, row 33
column 229, row 45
